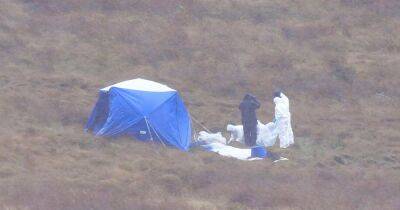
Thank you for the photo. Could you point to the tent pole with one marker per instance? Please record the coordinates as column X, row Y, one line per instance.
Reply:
column 194, row 134
column 158, row 136
column 196, row 121
column 148, row 128
column 151, row 136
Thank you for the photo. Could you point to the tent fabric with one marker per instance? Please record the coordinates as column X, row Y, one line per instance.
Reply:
column 140, row 84
column 142, row 109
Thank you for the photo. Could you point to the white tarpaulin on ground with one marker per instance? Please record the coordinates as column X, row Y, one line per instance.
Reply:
column 233, row 152
column 229, row 151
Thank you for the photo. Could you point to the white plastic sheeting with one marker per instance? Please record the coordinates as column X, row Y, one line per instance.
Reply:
column 229, row 151
column 206, row 137
column 267, row 134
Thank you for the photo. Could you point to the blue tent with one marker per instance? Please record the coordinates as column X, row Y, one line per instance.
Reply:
column 142, row 109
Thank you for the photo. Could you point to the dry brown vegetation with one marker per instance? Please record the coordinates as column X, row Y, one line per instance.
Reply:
column 337, row 60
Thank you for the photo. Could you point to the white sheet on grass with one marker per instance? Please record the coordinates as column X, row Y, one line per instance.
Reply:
column 229, row 151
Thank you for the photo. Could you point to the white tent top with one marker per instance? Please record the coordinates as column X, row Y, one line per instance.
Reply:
column 140, row 84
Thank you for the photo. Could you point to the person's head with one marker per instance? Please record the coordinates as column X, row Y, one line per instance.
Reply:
column 248, row 96
column 277, row 93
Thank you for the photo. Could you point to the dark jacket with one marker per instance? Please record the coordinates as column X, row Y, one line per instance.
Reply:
column 248, row 107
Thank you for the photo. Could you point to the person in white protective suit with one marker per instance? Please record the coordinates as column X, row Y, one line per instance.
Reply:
column 283, row 126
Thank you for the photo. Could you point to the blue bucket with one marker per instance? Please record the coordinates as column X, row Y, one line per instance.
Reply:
column 259, row 151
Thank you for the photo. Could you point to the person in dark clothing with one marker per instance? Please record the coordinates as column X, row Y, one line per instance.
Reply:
column 248, row 108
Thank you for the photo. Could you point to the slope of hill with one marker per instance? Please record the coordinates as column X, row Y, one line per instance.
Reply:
column 337, row 60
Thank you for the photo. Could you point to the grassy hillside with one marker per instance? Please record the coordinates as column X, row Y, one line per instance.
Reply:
column 337, row 60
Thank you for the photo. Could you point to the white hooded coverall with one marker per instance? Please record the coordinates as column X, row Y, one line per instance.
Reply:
column 283, row 124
